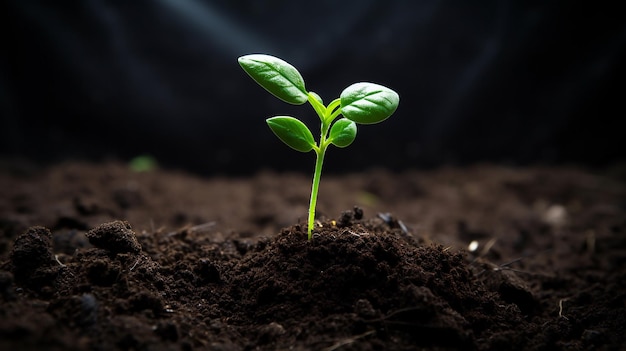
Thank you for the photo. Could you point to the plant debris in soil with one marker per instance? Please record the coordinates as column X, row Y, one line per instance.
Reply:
column 485, row 258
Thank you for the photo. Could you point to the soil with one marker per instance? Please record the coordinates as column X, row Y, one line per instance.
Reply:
column 98, row 257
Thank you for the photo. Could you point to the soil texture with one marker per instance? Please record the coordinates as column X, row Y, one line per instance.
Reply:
column 100, row 257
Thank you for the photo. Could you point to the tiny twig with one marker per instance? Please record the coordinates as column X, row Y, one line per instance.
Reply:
column 56, row 258
column 135, row 265
column 485, row 249
column 488, row 246
column 561, row 309
column 63, row 265
column 357, row 234
column 404, row 228
column 505, row 266
column 348, row 341
column 200, row 228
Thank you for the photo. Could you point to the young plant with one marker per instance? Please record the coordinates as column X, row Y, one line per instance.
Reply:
column 362, row 103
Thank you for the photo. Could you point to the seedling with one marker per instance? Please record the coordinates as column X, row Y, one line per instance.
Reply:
column 362, row 103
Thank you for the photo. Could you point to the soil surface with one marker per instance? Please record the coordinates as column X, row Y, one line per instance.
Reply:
column 98, row 257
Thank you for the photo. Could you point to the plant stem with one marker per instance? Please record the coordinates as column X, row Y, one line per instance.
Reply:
column 319, row 161
column 325, row 113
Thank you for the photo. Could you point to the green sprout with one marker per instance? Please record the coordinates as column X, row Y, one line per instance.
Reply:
column 363, row 103
column 143, row 163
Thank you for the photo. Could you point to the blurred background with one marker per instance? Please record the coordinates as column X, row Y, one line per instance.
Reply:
column 515, row 82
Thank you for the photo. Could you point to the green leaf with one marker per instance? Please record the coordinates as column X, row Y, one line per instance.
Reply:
column 368, row 103
column 292, row 132
column 343, row 132
column 277, row 77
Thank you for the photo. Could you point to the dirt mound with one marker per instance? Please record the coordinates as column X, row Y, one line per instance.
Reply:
column 541, row 275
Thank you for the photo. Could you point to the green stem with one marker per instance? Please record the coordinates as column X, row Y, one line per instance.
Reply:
column 319, row 161
column 325, row 114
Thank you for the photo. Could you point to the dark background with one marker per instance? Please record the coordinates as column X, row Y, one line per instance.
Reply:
column 517, row 82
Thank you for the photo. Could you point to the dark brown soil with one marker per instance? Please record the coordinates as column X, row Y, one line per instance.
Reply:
column 97, row 257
